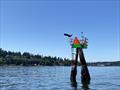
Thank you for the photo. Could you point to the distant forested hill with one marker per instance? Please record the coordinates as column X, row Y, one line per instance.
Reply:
column 28, row 59
column 16, row 58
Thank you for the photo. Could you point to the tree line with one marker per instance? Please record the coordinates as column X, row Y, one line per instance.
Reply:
column 26, row 59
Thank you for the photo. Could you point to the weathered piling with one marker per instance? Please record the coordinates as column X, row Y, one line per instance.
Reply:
column 74, row 68
column 85, row 76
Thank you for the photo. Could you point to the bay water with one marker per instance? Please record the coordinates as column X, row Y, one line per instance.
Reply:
column 57, row 78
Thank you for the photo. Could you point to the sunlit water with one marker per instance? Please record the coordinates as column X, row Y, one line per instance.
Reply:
column 56, row 78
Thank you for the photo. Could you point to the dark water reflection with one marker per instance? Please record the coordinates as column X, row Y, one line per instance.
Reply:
column 85, row 86
column 74, row 85
column 57, row 78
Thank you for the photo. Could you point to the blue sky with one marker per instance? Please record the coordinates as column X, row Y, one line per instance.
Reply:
column 37, row 26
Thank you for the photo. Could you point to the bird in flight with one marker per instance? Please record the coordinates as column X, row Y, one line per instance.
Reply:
column 68, row 35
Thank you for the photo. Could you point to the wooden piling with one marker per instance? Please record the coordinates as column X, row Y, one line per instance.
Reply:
column 85, row 76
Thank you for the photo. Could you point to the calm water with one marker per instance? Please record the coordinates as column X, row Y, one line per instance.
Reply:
column 56, row 78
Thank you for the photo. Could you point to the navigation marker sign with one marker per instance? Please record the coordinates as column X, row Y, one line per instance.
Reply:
column 76, row 43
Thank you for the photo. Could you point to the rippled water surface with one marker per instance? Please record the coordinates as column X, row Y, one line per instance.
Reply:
column 56, row 78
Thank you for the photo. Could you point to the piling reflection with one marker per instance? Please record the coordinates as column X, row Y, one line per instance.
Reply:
column 85, row 85
column 74, row 85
